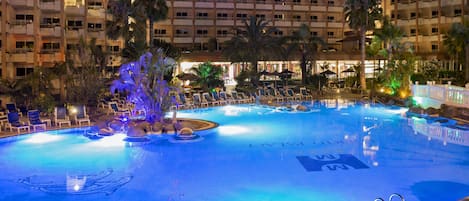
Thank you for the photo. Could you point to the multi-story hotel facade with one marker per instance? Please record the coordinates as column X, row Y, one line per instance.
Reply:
column 37, row 33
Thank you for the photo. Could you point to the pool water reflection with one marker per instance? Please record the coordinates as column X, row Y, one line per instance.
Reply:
column 336, row 151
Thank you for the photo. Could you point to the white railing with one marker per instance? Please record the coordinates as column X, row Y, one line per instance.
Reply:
column 442, row 94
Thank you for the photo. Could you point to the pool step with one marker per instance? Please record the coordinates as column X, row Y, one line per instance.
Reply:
column 391, row 197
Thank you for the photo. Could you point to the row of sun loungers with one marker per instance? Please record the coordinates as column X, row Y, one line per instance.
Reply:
column 12, row 120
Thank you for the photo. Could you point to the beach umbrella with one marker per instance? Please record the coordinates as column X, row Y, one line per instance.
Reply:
column 348, row 70
column 187, row 76
column 328, row 72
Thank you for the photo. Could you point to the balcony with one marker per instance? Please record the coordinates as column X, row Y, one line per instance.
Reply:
column 300, row 8
column 97, row 13
column 224, row 5
column 428, row 4
column 335, row 9
column 334, row 25
column 183, row 40
column 50, row 56
column 264, row 6
column 428, row 21
column 75, row 10
column 22, row 3
column 183, row 22
column 450, row 20
column 282, row 23
column 204, row 22
column 22, row 27
column 245, row 6
column 96, row 33
column 55, row 31
column 318, row 24
column 50, row 6
column 199, row 4
column 282, row 7
column 75, row 32
column 318, row 8
column 22, row 55
column 224, row 22
column 182, row 4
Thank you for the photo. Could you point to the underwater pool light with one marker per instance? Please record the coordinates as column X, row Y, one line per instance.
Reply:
column 41, row 138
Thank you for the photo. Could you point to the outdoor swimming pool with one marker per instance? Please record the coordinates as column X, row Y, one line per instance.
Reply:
column 337, row 151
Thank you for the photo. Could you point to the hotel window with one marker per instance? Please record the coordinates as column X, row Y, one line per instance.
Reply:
column 25, row 18
column 241, row 15
column 296, row 17
column 47, row 1
column 413, row 15
column 72, row 46
column 413, row 32
column 95, row 26
column 50, row 22
column 280, row 1
column 113, row 49
column 21, row 72
column 25, row 45
column 434, row 30
column 314, row 2
column 434, row 46
column 457, row 12
column 296, row 1
column 202, row 32
column 330, row 18
column 330, row 34
column 260, row 1
column 278, row 33
column 279, row 16
column 181, row 14
column 202, row 15
column 222, row 15
column 330, row 3
column 314, row 33
column 261, row 16
column 0, row 44
column 222, row 32
column 181, row 32
column 160, row 32
column 75, row 24
column 50, row 47
column 314, row 18
column 434, row 13
column 95, row 5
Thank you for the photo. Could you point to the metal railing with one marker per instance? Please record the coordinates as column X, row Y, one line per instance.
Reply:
column 391, row 197
column 443, row 94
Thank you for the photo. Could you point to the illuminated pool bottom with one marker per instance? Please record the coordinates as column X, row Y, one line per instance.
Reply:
column 337, row 151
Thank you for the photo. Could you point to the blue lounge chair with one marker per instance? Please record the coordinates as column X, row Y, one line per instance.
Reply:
column 15, row 124
column 81, row 116
column 61, row 117
column 35, row 120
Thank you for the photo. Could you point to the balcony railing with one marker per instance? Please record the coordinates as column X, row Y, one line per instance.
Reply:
column 435, row 95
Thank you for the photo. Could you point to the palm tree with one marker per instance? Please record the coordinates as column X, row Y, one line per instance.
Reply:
column 118, row 26
column 143, row 81
column 251, row 43
column 208, row 76
column 456, row 42
column 361, row 16
column 390, row 35
column 307, row 45
column 153, row 11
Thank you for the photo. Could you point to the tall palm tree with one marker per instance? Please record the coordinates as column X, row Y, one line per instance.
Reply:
column 153, row 11
column 456, row 42
column 390, row 35
column 254, row 39
column 361, row 16
column 308, row 46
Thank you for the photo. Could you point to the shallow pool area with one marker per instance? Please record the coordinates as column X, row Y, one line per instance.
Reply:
column 338, row 150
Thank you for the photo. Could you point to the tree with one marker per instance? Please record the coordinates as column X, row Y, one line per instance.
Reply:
column 85, row 82
column 208, row 76
column 143, row 82
column 456, row 42
column 361, row 16
column 251, row 43
column 307, row 45
column 390, row 35
column 153, row 11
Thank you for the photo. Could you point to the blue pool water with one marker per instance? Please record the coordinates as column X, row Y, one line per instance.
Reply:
column 337, row 151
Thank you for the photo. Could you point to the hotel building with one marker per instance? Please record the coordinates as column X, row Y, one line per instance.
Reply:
column 37, row 33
